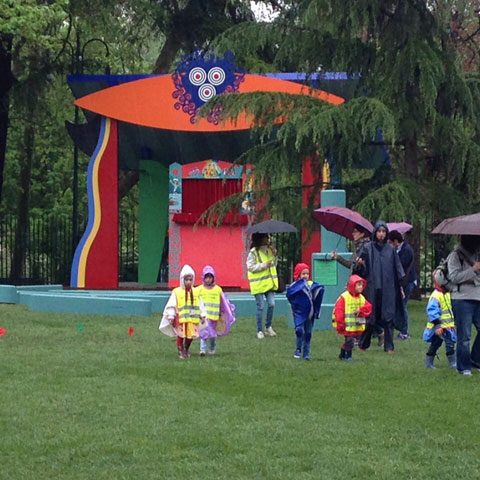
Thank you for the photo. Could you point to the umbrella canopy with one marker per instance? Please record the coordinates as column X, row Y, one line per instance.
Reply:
column 272, row 226
column 341, row 220
column 402, row 227
column 462, row 225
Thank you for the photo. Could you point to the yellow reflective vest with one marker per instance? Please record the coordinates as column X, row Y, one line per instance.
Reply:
column 186, row 311
column 446, row 315
column 352, row 322
column 266, row 279
column 211, row 300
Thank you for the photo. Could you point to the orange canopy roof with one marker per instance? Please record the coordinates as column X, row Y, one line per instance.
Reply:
column 149, row 102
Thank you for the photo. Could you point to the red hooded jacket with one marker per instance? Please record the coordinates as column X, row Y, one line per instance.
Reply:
column 339, row 307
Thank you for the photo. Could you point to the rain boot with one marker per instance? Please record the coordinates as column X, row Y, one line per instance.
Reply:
column 186, row 352
column 180, row 351
column 348, row 355
column 452, row 361
column 429, row 361
column 342, row 355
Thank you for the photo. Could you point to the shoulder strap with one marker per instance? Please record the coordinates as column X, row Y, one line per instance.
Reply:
column 461, row 256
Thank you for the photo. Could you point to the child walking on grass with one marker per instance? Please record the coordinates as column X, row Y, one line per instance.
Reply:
column 349, row 313
column 305, row 298
column 219, row 311
column 440, row 326
column 182, row 313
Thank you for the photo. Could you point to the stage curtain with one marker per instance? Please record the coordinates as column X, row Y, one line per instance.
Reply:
column 199, row 194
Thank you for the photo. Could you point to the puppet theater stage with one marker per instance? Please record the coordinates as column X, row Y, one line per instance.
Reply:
column 148, row 123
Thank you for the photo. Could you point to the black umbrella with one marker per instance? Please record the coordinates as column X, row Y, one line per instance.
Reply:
column 272, row 226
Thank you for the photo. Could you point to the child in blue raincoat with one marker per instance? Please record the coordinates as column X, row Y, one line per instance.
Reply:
column 305, row 298
column 440, row 326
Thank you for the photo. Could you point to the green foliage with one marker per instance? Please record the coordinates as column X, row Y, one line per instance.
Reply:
column 395, row 200
column 32, row 21
column 410, row 85
column 253, row 45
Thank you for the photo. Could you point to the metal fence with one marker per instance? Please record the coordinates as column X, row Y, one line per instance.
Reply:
column 127, row 251
column 48, row 252
column 288, row 254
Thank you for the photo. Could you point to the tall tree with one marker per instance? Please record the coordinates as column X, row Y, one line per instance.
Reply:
column 5, row 86
column 22, row 24
column 410, row 85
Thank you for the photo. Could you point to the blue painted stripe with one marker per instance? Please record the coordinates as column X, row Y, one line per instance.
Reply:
column 91, row 207
column 299, row 76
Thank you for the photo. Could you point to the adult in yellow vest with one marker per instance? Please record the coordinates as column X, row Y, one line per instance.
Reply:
column 262, row 276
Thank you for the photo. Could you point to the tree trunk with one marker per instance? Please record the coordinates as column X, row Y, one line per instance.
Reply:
column 6, row 83
column 126, row 180
column 25, row 161
column 411, row 158
column 167, row 55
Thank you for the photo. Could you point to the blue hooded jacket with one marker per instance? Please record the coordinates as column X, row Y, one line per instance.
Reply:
column 305, row 300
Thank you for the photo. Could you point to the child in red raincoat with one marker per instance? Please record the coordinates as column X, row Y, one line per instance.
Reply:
column 349, row 313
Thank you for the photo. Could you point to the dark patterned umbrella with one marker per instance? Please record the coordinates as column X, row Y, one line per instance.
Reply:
column 341, row 220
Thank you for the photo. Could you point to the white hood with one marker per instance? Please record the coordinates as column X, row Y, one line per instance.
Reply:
column 186, row 270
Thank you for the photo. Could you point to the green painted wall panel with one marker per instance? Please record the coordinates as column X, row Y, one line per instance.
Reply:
column 152, row 218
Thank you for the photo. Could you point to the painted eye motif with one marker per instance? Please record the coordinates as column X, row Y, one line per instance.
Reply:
column 216, row 76
column 206, row 92
column 197, row 76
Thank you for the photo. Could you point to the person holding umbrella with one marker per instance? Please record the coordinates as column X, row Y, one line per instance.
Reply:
column 464, row 272
column 262, row 270
column 263, row 279
column 361, row 237
column 349, row 224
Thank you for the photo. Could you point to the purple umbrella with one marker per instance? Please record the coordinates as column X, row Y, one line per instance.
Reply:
column 402, row 227
column 462, row 225
column 341, row 220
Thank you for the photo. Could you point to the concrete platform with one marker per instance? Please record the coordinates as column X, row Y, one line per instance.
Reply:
column 53, row 298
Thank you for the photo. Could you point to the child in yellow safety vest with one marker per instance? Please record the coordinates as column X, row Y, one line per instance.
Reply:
column 183, row 312
column 440, row 327
column 219, row 311
column 349, row 314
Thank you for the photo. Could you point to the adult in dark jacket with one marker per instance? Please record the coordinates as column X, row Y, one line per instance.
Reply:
column 379, row 264
column 407, row 259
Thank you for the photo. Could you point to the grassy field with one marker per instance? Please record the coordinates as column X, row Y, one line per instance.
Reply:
column 80, row 399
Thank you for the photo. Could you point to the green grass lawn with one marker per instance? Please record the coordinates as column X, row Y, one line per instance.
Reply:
column 95, row 403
